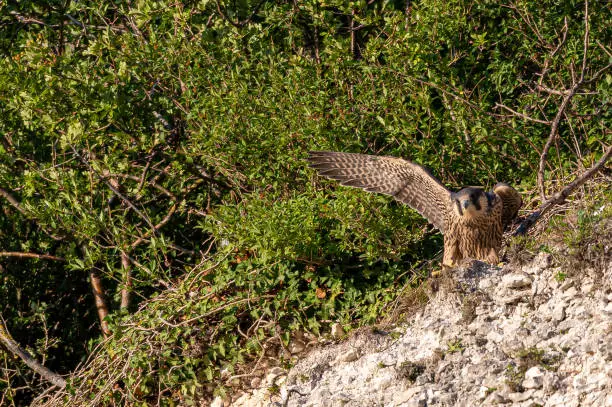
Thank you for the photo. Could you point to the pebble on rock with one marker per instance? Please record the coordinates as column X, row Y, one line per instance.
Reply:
column 517, row 280
column 534, row 378
column 337, row 331
column 350, row 356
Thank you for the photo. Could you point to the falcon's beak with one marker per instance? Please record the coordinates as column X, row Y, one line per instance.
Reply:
column 466, row 203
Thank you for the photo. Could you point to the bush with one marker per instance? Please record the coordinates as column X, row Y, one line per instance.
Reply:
column 161, row 146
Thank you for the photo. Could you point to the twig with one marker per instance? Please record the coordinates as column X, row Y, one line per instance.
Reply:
column 554, row 52
column 26, row 20
column 566, row 99
column 524, row 116
column 9, row 197
column 138, row 179
column 316, row 43
column 564, row 93
column 15, row 203
column 608, row 53
column 15, row 349
column 144, row 173
column 595, row 76
column 127, row 281
column 551, row 138
column 31, row 256
column 585, row 46
column 112, row 188
column 352, row 30
column 562, row 195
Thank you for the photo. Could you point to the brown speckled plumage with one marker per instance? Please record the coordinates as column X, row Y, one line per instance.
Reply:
column 471, row 220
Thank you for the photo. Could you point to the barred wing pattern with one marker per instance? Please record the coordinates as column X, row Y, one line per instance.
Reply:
column 407, row 182
column 511, row 202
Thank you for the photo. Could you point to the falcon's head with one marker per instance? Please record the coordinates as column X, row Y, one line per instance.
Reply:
column 470, row 203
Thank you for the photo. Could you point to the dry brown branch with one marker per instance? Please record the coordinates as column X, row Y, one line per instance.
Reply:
column 554, row 52
column 596, row 76
column 551, row 138
column 125, row 258
column 27, row 20
column 9, row 197
column 562, row 195
column 161, row 223
column 561, row 93
column 15, row 349
column 15, row 203
column 352, row 30
column 144, row 173
column 31, row 256
column 316, row 44
column 125, row 261
column 100, row 300
column 112, row 188
column 524, row 116
column 127, row 281
column 150, row 183
column 568, row 94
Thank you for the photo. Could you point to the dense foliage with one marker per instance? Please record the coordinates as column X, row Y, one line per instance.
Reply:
column 160, row 146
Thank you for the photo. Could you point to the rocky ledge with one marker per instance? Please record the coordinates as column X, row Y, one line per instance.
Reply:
column 518, row 335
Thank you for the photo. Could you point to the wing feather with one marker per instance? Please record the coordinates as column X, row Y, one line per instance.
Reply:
column 511, row 200
column 407, row 182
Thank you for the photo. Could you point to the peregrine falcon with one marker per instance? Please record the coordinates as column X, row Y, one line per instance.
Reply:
column 471, row 220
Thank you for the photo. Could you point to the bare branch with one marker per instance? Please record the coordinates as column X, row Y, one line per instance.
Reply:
column 161, row 223
column 112, row 188
column 127, row 281
column 15, row 349
column 554, row 52
column 9, row 197
column 352, row 31
column 100, row 300
column 166, row 218
column 139, row 179
column 15, row 203
column 316, row 44
column 551, row 138
column 31, row 256
column 562, row 195
column 569, row 94
column 524, row 116
column 26, row 20
column 597, row 74
column 604, row 49
column 564, row 92
column 585, row 46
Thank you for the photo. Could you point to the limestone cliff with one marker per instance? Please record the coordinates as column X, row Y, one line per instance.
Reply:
column 530, row 334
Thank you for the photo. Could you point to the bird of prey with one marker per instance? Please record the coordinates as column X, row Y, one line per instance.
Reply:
column 471, row 220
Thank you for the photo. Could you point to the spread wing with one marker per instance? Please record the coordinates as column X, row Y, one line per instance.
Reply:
column 405, row 181
column 511, row 200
